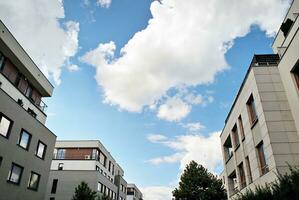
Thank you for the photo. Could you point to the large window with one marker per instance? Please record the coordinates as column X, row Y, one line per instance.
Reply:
column 251, row 107
column 41, row 150
column 5, row 125
column 103, row 159
column 33, row 181
column 241, row 127
column 10, row 71
column 262, row 160
column 242, row 178
column 295, row 71
column 236, row 136
column 54, row 186
column 228, row 149
column 1, row 60
column 24, row 139
column 15, row 174
column 60, row 154
column 248, row 170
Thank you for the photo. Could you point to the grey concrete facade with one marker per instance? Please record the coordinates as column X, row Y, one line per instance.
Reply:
column 287, row 47
column 274, row 129
column 77, row 161
column 133, row 192
column 14, row 151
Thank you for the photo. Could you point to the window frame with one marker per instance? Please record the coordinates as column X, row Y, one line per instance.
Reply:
column 242, row 176
column 252, row 112
column 295, row 73
column 38, row 181
column 263, row 165
column 54, row 186
column 236, row 139
column 29, row 140
column 10, row 173
column 10, row 125
column 248, row 169
column 44, row 152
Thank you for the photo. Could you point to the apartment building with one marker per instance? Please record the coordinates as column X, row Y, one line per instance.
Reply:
column 26, row 144
column 133, row 193
column 259, row 139
column 286, row 44
column 84, row 160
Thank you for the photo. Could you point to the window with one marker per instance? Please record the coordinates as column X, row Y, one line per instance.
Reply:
column 10, row 71
column 262, row 160
column 60, row 154
column 251, row 110
column 15, row 174
column 41, row 150
column 1, row 158
column 54, row 186
column 99, row 186
column 228, row 149
column 103, row 159
column 232, row 183
column 241, row 127
column 295, row 72
column 52, row 198
column 33, row 181
column 236, row 136
column 60, row 166
column 97, row 168
column 5, row 125
column 242, row 178
column 1, row 60
column 24, row 139
column 248, row 170
column 109, row 167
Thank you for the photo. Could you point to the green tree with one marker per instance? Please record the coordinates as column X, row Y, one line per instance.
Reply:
column 198, row 184
column 84, row 192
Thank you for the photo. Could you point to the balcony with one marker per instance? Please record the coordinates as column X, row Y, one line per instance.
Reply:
column 37, row 111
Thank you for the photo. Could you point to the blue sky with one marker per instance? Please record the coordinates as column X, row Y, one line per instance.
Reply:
column 195, row 55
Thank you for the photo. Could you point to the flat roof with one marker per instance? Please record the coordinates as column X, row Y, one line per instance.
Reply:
column 12, row 49
column 258, row 60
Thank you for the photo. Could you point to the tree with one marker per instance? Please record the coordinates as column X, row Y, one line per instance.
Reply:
column 198, row 184
column 284, row 188
column 84, row 192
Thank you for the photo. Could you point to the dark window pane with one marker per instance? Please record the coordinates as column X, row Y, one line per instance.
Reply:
column 15, row 174
column 54, row 186
column 1, row 160
column 34, row 181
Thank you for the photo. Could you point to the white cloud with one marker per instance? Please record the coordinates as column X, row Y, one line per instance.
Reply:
column 35, row 24
column 193, row 127
column 205, row 150
column 157, row 193
column 73, row 68
column 156, row 138
column 183, row 44
column 174, row 109
column 104, row 3
column 167, row 159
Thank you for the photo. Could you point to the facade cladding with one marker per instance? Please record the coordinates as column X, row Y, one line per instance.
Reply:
column 26, row 145
column 133, row 193
column 89, row 161
column 260, row 138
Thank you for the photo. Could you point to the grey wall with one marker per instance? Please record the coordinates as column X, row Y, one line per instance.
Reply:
column 13, row 153
column 68, row 180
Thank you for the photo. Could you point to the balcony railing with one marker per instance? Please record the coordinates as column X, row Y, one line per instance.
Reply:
column 78, row 156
